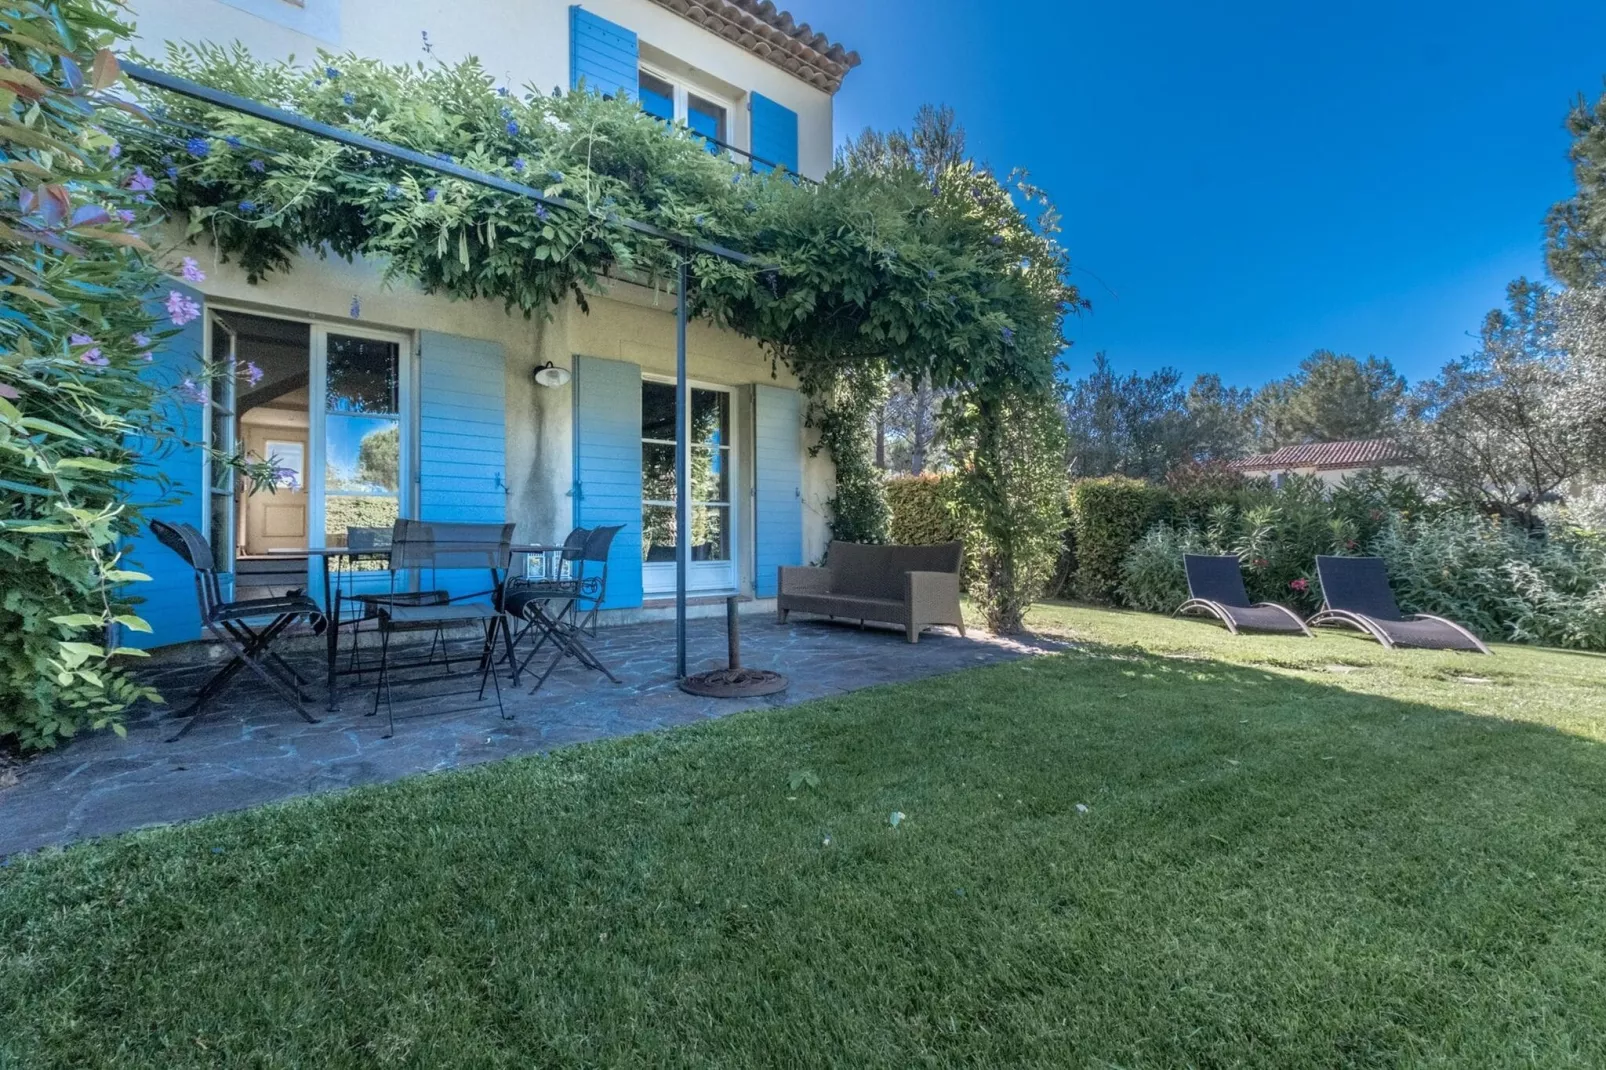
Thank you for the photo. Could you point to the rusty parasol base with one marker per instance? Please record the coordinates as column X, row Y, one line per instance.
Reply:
column 734, row 681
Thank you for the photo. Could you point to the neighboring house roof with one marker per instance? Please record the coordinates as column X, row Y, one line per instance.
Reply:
column 771, row 34
column 1325, row 456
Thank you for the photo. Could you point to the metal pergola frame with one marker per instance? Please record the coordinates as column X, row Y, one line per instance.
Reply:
column 685, row 244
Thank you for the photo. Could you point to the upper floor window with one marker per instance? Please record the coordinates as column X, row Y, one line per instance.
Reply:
column 675, row 102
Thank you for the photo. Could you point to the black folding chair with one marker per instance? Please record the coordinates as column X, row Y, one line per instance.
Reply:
column 1356, row 593
column 1216, row 587
column 576, row 616
column 531, row 602
column 246, row 627
column 432, row 548
column 361, row 541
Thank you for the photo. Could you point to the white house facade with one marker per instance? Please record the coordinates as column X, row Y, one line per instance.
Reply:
column 390, row 402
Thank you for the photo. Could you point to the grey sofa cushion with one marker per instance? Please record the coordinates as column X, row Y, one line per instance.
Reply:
column 868, row 571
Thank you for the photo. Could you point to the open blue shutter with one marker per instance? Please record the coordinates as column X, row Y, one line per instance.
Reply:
column 778, row 482
column 171, row 487
column 607, row 466
column 774, row 134
column 462, row 444
column 603, row 55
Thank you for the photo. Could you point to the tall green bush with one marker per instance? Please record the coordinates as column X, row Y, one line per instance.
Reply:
column 1108, row 516
column 922, row 510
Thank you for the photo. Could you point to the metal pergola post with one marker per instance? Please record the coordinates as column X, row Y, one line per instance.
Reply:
column 684, row 246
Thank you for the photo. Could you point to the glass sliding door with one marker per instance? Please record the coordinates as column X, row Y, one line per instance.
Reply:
column 713, row 538
column 361, row 447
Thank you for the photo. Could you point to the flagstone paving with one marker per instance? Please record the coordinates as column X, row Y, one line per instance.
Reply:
column 252, row 749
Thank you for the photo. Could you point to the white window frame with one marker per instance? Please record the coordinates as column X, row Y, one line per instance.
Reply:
column 317, row 429
column 702, row 577
column 684, row 90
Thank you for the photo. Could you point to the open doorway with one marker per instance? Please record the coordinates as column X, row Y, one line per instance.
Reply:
column 272, row 361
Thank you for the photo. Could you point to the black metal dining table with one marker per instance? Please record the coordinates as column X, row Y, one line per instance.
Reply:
column 333, row 595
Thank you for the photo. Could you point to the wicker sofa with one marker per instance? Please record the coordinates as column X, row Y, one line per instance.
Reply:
column 909, row 585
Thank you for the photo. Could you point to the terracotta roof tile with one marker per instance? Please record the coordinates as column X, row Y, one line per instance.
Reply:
column 1323, row 456
column 771, row 34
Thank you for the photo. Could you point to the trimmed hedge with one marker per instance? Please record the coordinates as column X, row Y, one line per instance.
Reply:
column 922, row 510
column 1108, row 516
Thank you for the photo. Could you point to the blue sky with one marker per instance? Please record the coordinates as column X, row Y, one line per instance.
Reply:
column 1244, row 183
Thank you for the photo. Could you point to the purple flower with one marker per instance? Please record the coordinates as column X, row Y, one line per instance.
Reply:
column 181, row 308
column 125, row 214
column 331, row 73
column 140, row 182
column 425, row 35
column 541, row 211
column 285, row 477
column 507, row 113
column 194, row 391
column 258, row 166
column 348, row 99
column 392, row 191
column 247, row 207
column 91, row 356
column 995, row 240
column 172, row 172
column 192, row 271
column 198, row 147
column 501, row 90
column 556, row 176
column 356, row 307
column 232, row 141
column 512, row 128
column 114, row 150
column 518, row 165
column 140, row 339
column 1008, row 334
column 431, row 193
column 930, row 274
column 253, row 374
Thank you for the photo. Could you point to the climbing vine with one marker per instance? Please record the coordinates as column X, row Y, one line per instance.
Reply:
column 958, row 280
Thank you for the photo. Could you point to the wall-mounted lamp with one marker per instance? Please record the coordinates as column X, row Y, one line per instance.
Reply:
column 550, row 374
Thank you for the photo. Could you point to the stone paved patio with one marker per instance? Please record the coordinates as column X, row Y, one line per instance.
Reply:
column 253, row 749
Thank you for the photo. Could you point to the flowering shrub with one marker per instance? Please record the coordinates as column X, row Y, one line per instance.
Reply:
column 78, row 405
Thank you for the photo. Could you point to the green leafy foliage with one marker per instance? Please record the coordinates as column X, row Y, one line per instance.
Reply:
column 922, row 510
column 1109, row 515
column 73, row 336
column 1010, row 494
column 1499, row 578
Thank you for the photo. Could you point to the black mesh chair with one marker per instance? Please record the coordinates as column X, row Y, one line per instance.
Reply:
column 362, row 541
column 1356, row 594
column 246, row 627
column 1216, row 587
column 432, row 548
column 569, row 626
column 534, row 603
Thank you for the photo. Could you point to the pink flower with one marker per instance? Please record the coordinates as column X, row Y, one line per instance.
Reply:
column 181, row 309
column 192, row 271
column 1299, row 585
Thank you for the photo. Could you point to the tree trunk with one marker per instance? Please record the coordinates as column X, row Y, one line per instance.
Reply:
column 881, row 437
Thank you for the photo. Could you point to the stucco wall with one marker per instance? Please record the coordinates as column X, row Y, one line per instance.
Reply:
column 524, row 42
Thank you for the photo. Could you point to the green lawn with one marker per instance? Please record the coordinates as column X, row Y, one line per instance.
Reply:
column 1292, row 853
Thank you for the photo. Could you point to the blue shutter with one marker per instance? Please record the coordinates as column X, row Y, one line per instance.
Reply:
column 171, row 487
column 778, row 482
column 603, row 55
column 462, row 443
column 774, row 134
column 607, row 466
